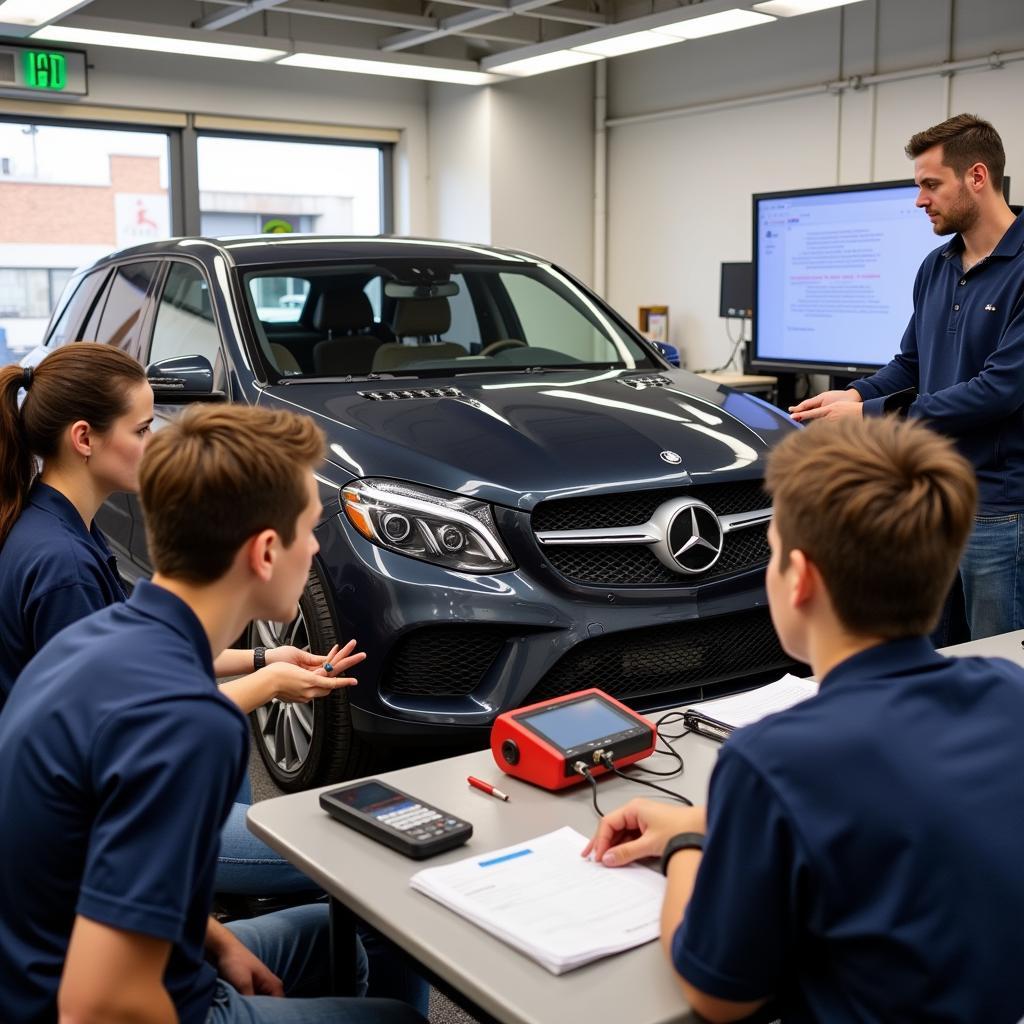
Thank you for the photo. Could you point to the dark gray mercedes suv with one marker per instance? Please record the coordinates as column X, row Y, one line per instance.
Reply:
column 522, row 498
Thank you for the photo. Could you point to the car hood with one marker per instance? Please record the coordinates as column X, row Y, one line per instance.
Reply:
column 516, row 439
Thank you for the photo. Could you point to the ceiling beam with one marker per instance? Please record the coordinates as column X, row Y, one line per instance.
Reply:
column 557, row 12
column 459, row 24
column 218, row 19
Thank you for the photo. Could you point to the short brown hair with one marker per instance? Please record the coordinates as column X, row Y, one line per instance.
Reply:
column 83, row 381
column 219, row 475
column 966, row 140
column 882, row 507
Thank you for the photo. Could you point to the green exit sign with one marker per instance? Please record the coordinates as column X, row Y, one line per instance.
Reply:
column 45, row 70
column 41, row 71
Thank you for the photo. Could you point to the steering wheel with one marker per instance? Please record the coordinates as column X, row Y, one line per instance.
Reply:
column 501, row 344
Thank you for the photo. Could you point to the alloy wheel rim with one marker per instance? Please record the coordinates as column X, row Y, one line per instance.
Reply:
column 285, row 729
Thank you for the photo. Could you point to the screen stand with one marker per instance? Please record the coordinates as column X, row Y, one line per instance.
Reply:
column 841, row 381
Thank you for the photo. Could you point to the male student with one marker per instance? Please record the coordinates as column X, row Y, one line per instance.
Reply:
column 861, row 855
column 962, row 355
column 120, row 758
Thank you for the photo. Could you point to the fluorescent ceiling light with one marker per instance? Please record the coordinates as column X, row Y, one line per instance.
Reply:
column 712, row 24
column 34, row 12
column 788, row 8
column 388, row 68
column 544, row 62
column 616, row 46
column 160, row 44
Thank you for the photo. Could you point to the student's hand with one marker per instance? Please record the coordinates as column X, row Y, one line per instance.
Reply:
column 829, row 405
column 296, row 685
column 641, row 829
column 243, row 970
column 338, row 657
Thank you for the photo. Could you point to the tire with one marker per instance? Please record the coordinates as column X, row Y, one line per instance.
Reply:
column 314, row 744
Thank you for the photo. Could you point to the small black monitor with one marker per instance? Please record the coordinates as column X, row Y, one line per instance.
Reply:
column 736, row 294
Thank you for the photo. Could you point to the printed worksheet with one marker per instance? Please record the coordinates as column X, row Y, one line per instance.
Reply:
column 544, row 899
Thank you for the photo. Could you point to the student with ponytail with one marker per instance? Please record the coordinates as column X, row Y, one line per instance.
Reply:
column 76, row 438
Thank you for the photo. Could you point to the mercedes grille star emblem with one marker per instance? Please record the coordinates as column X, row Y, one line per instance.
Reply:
column 695, row 538
column 671, row 458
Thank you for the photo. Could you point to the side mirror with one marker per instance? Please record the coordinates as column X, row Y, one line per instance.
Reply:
column 182, row 379
column 669, row 352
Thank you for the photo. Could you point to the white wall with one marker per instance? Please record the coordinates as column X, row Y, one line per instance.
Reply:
column 512, row 165
column 679, row 188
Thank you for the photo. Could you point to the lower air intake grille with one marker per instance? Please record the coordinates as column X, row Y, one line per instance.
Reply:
column 444, row 661
column 666, row 659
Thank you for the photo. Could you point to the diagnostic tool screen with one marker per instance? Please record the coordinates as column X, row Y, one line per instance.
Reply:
column 373, row 798
column 569, row 725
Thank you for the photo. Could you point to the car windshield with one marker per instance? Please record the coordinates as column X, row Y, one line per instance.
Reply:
column 431, row 320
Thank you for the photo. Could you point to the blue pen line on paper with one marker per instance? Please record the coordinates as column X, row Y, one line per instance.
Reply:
column 501, row 860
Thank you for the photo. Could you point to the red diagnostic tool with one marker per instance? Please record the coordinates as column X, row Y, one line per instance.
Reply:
column 542, row 743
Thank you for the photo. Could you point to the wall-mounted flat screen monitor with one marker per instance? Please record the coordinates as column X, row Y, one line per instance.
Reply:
column 834, row 273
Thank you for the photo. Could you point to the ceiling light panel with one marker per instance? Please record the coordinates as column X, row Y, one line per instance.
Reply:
column 158, row 44
column 389, row 69
column 34, row 12
column 713, row 24
column 543, row 63
column 616, row 46
column 791, row 8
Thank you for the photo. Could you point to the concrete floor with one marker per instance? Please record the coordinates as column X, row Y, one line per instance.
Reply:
column 442, row 1010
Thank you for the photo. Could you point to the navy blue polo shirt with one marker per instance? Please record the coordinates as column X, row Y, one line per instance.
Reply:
column 119, row 761
column 964, row 352
column 53, row 571
column 865, row 851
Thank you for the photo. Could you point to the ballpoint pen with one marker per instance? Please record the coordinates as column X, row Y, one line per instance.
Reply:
column 487, row 788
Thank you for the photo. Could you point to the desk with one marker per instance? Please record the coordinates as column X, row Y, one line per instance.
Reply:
column 754, row 383
column 635, row 987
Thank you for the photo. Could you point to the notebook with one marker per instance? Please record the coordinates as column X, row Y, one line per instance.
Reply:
column 719, row 717
column 544, row 899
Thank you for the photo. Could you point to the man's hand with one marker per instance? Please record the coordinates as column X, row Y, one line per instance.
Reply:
column 829, row 405
column 237, row 965
column 641, row 829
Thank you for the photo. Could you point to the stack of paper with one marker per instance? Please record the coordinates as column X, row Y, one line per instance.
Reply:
column 544, row 899
column 746, row 708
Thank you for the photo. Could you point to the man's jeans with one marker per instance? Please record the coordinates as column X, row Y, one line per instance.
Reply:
column 992, row 576
column 294, row 944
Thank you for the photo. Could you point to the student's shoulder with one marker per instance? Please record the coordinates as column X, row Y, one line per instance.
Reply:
column 45, row 555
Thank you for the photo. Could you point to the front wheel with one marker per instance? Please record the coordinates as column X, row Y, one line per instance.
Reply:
column 306, row 745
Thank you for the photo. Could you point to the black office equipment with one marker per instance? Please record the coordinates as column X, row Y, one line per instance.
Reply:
column 736, row 291
column 396, row 819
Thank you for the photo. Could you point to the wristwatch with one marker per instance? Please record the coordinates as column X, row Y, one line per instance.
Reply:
column 683, row 841
column 259, row 658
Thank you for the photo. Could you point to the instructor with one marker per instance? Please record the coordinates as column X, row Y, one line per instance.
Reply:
column 961, row 362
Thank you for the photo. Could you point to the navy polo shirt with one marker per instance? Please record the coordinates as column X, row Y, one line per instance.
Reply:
column 865, row 850
column 119, row 761
column 53, row 571
column 963, row 351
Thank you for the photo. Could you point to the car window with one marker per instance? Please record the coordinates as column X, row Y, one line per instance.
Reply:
column 74, row 306
column 185, row 325
column 119, row 322
column 465, row 328
column 279, row 300
column 548, row 321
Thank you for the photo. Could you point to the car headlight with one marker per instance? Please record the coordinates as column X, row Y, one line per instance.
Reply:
column 433, row 526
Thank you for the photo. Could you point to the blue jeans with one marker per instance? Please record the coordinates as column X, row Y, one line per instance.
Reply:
column 295, row 945
column 992, row 577
column 251, row 868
